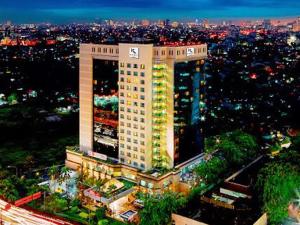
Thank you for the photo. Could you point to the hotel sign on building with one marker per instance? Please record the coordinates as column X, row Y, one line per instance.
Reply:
column 134, row 52
column 190, row 51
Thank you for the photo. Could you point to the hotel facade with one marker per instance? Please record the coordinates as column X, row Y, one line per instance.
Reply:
column 141, row 108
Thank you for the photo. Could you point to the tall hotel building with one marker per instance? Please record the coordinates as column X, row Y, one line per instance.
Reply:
column 140, row 108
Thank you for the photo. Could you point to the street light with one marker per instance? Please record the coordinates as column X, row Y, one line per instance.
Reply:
column 14, row 167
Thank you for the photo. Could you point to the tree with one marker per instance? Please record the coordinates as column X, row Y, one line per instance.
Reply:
column 233, row 154
column 158, row 208
column 8, row 189
column 211, row 170
column 277, row 182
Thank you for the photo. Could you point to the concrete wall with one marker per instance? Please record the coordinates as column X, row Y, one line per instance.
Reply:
column 181, row 220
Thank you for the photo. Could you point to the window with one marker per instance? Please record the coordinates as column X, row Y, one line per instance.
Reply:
column 122, row 79
column 121, row 71
column 135, row 96
column 128, row 132
column 135, row 126
column 135, row 66
column 142, row 66
column 122, row 138
column 142, row 135
column 142, row 120
column 128, row 117
column 135, row 156
column 128, row 139
column 142, row 89
column 142, row 74
column 142, row 112
column 99, row 50
column 129, row 110
column 122, row 145
column 122, row 153
column 122, row 116
column 135, row 104
column 128, row 154
column 122, row 101
column 122, row 131
column 128, row 95
column 143, row 165
column 142, row 158
column 135, row 141
column 135, row 73
column 121, row 86
column 135, row 88
column 143, row 97
column 128, row 147
column 142, row 150
column 142, row 81
column 142, row 104
column 128, row 65
column 122, row 108
column 135, row 164
column 135, row 119
column 128, row 72
column 142, row 143
column 135, row 148
column 128, row 124
column 121, row 64
column 93, row 49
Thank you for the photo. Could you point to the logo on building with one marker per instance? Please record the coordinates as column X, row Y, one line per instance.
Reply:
column 190, row 51
column 134, row 53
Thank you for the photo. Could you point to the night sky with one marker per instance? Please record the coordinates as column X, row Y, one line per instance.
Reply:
column 63, row 11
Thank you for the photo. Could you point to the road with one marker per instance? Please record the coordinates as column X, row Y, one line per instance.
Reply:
column 16, row 216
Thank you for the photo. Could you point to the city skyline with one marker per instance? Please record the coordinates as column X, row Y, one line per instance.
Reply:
column 91, row 10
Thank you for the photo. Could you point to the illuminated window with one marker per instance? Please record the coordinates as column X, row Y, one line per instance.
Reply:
column 122, row 138
column 135, row 156
column 142, row 150
column 129, row 95
column 128, row 88
column 129, row 103
column 121, row 64
column 135, row 96
column 142, row 66
column 135, row 134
